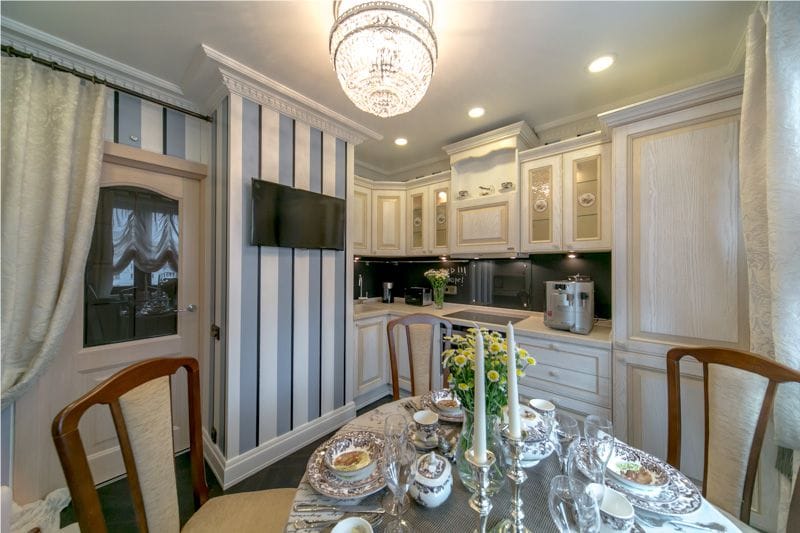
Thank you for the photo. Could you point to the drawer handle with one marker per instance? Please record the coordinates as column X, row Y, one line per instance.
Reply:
column 552, row 373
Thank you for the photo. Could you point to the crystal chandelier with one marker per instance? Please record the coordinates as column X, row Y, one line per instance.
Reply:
column 384, row 53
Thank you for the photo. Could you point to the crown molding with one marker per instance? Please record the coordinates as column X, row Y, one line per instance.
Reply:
column 675, row 101
column 51, row 48
column 567, row 145
column 251, row 84
column 519, row 129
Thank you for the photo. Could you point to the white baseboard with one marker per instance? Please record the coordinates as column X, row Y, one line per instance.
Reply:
column 213, row 456
column 235, row 469
column 372, row 396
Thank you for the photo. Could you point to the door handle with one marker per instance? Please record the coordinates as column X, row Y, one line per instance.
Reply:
column 191, row 308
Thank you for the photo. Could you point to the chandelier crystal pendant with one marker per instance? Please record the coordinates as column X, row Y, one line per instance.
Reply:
column 384, row 53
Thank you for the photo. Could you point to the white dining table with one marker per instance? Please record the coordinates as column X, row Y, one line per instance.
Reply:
column 456, row 515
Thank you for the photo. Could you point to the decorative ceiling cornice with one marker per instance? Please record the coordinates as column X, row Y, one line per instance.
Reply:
column 249, row 83
column 51, row 48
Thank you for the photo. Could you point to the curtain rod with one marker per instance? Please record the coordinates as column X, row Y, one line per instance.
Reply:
column 13, row 52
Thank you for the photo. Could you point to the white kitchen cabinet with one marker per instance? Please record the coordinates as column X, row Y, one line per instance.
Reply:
column 427, row 219
column 487, row 225
column 540, row 211
column 388, row 222
column 360, row 224
column 587, row 198
column 679, row 275
column 565, row 201
column 576, row 377
column 371, row 360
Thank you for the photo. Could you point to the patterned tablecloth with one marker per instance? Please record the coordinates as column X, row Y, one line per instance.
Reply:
column 455, row 514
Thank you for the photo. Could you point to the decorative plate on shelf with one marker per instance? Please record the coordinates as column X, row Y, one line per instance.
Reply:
column 441, row 218
column 431, row 400
column 326, row 482
column 417, row 222
column 678, row 497
column 540, row 205
column 586, row 199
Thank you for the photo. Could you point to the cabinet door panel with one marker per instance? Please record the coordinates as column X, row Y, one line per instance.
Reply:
column 417, row 221
column 587, row 198
column 540, row 219
column 360, row 229
column 484, row 226
column 389, row 230
column 440, row 199
column 370, row 355
column 687, row 259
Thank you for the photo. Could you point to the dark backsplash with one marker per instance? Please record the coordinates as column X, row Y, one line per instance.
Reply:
column 509, row 283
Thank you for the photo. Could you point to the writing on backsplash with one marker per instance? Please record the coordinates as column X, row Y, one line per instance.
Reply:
column 458, row 274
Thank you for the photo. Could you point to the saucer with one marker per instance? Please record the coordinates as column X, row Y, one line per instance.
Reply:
column 422, row 444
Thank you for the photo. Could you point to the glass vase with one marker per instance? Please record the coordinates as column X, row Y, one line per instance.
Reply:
column 438, row 296
column 493, row 444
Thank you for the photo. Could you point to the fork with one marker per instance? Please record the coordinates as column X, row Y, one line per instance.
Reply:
column 679, row 524
column 373, row 519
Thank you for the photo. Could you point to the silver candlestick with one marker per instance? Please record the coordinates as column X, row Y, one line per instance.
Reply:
column 480, row 500
column 517, row 475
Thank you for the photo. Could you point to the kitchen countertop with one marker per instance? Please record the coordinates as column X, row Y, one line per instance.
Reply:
column 533, row 323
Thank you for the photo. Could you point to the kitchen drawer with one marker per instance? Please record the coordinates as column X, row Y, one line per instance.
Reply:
column 577, row 408
column 597, row 364
column 583, row 387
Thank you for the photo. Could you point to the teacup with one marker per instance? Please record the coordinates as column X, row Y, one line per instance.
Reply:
column 616, row 511
column 427, row 424
column 543, row 407
column 354, row 523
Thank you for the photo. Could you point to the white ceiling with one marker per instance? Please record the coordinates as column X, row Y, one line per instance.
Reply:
column 519, row 60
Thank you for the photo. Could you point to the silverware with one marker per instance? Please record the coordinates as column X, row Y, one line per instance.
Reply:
column 679, row 524
column 373, row 519
column 319, row 507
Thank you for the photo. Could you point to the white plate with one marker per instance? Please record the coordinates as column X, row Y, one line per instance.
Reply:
column 680, row 496
column 327, row 483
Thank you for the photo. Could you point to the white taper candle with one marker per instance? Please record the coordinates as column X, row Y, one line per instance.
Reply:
column 479, row 430
column 513, row 395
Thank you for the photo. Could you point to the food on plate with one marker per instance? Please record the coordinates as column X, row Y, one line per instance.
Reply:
column 635, row 473
column 448, row 404
column 351, row 460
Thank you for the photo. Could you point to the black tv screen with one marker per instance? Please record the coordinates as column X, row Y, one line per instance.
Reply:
column 292, row 218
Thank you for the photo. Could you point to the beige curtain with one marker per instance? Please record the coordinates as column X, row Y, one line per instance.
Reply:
column 52, row 149
column 770, row 203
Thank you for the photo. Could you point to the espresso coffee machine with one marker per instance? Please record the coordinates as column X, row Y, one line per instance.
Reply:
column 570, row 304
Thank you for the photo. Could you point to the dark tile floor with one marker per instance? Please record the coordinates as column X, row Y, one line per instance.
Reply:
column 118, row 510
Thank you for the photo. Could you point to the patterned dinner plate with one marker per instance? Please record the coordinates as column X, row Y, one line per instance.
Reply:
column 429, row 400
column 327, row 483
column 678, row 497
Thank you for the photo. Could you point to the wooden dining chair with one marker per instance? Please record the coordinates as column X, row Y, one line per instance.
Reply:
column 420, row 330
column 140, row 402
column 730, row 471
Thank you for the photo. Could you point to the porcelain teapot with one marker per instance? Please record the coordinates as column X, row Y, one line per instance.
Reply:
column 433, row 482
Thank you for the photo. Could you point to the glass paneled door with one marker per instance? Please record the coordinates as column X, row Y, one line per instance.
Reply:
column 141, row 299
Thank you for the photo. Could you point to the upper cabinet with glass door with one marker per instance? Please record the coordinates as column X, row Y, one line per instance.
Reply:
column 587, row 198
column 566, row 195
column 540, row 214
column 427, row 218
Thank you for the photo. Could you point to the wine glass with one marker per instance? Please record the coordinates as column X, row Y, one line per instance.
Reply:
column 566, row 431
column 599, row 433
column 395, row 428
column 562, row 506
column 399, row 469
column 587, row 497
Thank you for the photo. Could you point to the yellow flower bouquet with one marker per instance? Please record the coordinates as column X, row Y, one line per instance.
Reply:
column 460, row 363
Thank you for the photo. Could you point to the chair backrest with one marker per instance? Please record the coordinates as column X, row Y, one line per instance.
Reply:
column 734, row 425
column 140, row 402
column 420, row 330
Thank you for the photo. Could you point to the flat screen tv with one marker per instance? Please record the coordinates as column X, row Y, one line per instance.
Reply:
column 292, row 218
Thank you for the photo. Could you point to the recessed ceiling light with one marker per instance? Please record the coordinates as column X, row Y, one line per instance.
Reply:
column 476, row 112
column 601, row 63
column 401, row 141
